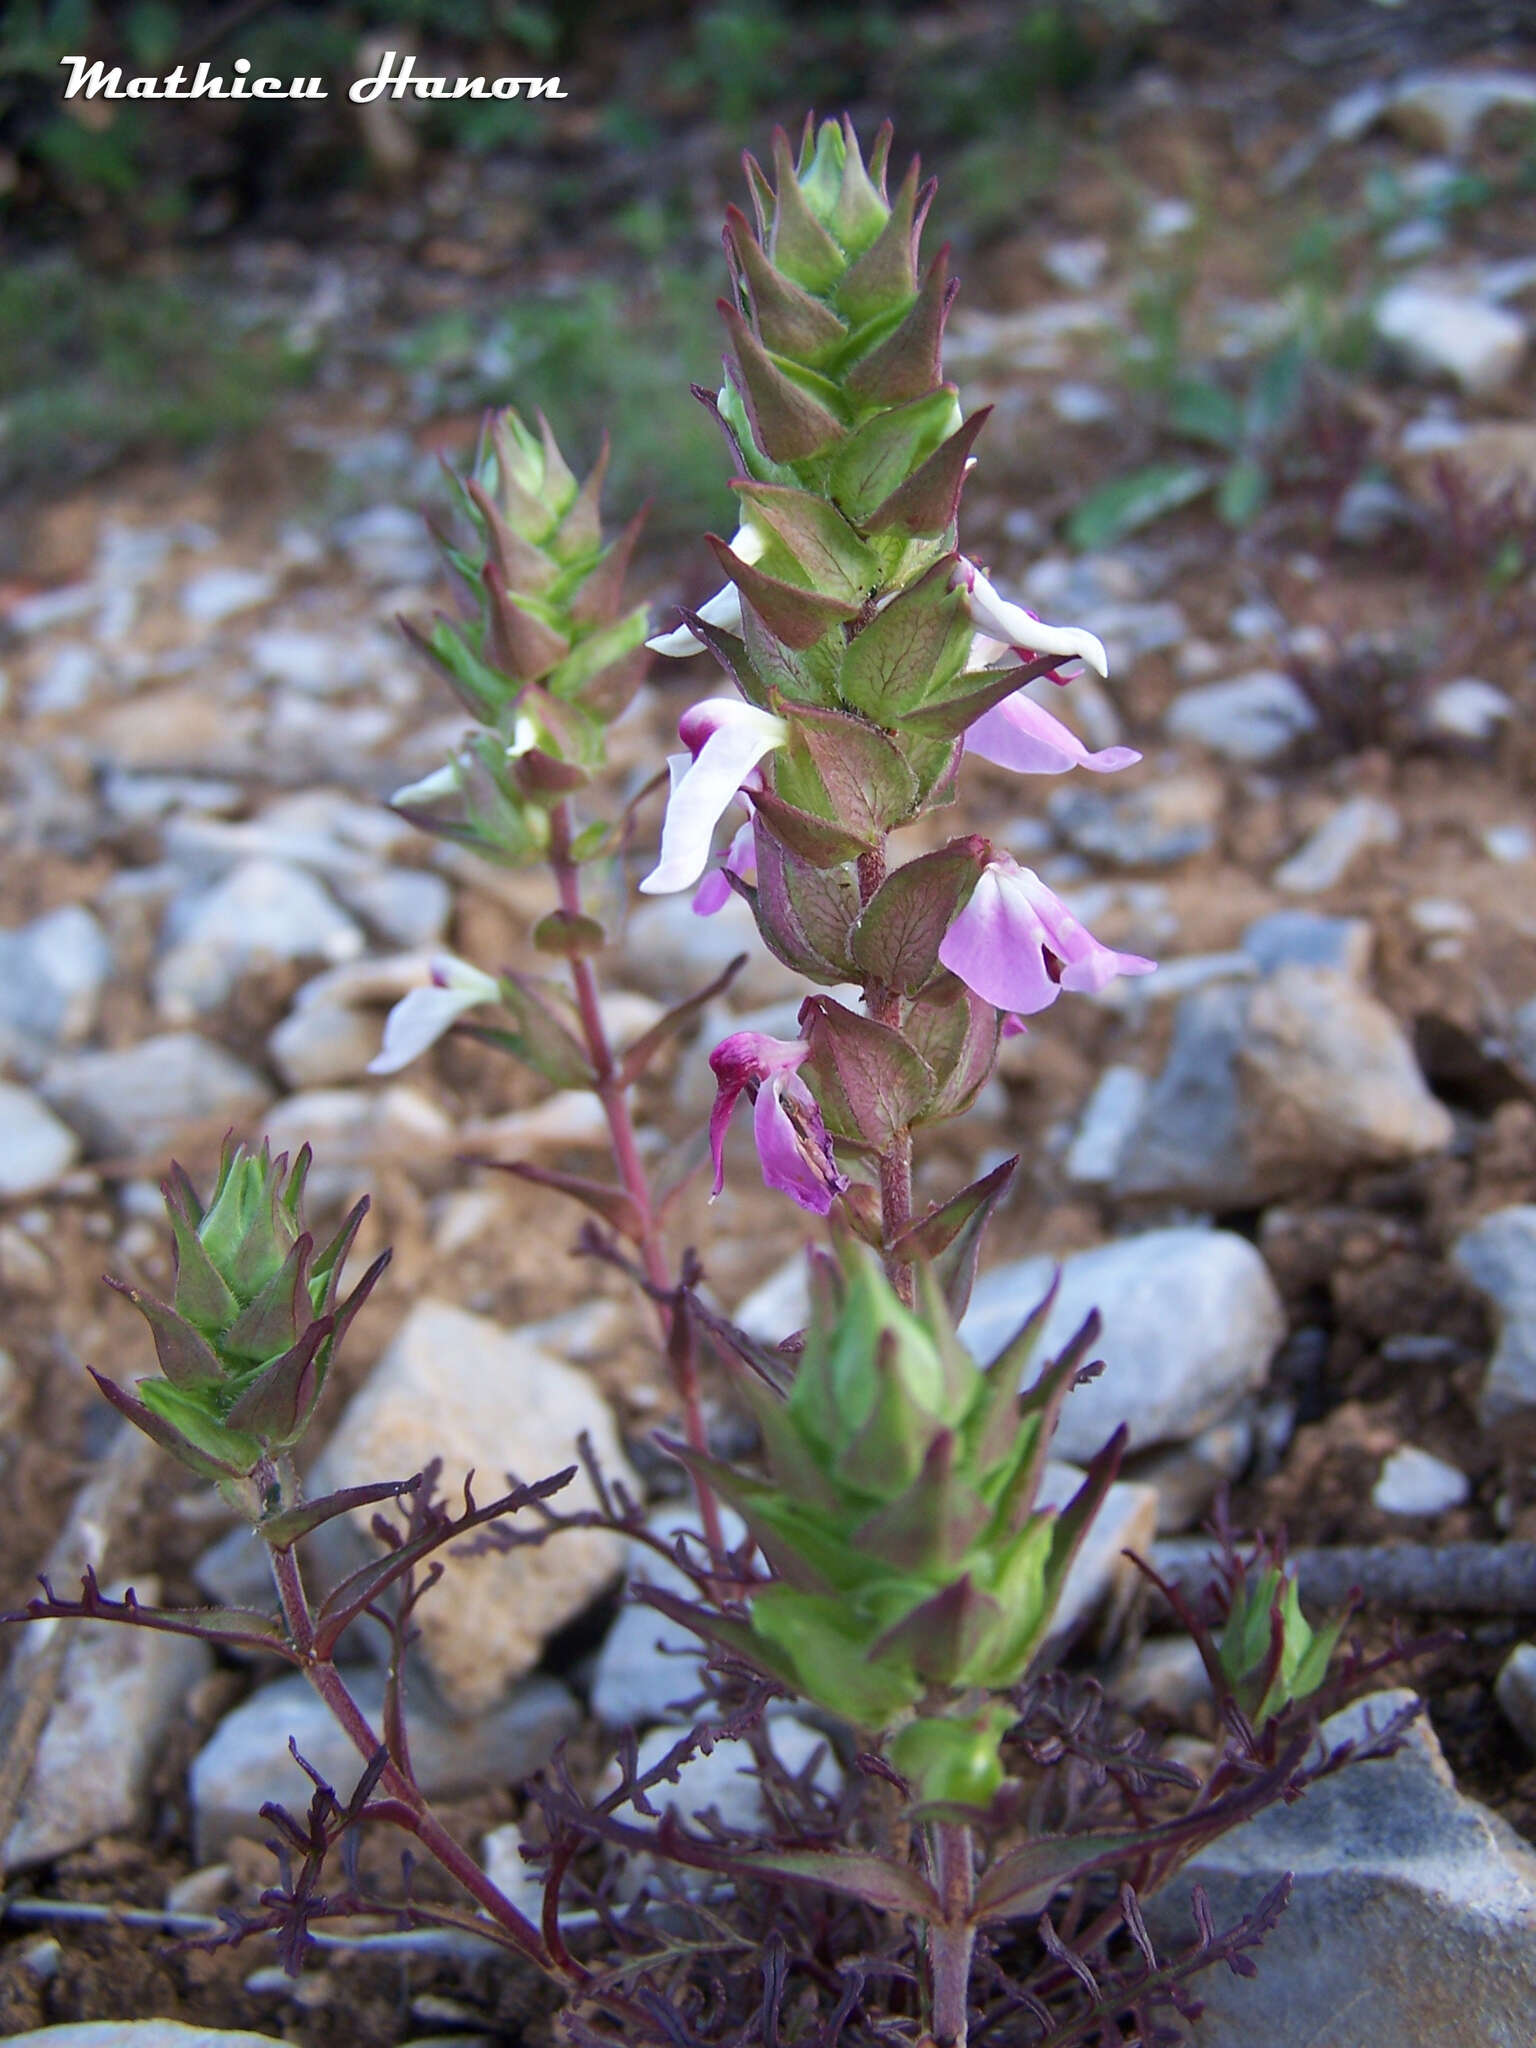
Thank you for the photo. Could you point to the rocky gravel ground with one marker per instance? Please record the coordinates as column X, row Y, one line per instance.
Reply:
column 1295, row 1169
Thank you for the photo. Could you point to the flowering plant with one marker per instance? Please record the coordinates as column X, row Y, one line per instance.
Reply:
column 901, row 1570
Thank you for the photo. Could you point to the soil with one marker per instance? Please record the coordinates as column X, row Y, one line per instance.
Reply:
column 1359, row 1260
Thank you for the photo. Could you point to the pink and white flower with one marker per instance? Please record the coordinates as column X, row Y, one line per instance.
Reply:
column 725, row 739
column 792, row 1141
column 421, row 1017
column 1008, row 628
column 1018, row 946
column 740, row 860
column 1023, row 735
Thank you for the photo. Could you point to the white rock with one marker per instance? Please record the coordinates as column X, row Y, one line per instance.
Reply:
column 217, row 594
column 1410, row 1921
column 1166, row 218
column 1498, row 1256
column 1309, row 938
column 484, row 1399
column 1444, row 333
column 139, row 1099
column 1191, row 1320
column 405, row 906
column 1445, row 108
column 1469, row 708
column 502, row 1860
column 355, row 1130
column 1076, row 264
column 262, row 911
column 35, row 1148
column 1414, row 1482
column 52, row 973
column 388, row 544
column 777, row 1306
column 246, row 1761
column 1441, row 914
column 120, row 1691
column 572, row 1117
column 136, row 2034
column 648, row 1662
column 320, row 664
column 1081, row 405
column 1325, row 859
column 1515, row 1691
column 1100, row 1573
column 318, row 1044
column 64, row 681
column 1252, row 718
column 1167, row 1674
column 1112, row 1113
column 725, row 1781
column 1511, row 845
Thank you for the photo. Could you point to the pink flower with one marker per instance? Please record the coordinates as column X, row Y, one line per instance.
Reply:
column 421, row 1017
column 723, row 609
column 740, row 859
column 1017, row 944
column 792, row 1141
column 725, row 739
column 1021, row 734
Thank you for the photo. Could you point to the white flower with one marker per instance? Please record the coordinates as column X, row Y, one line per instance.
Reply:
column 725, row 739
column 1003, row 626
column 420, row 1018
column 722, row 610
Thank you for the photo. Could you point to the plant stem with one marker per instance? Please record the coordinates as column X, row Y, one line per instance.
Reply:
column 417, row 1815
column 952, row 1939
column 613, row 1094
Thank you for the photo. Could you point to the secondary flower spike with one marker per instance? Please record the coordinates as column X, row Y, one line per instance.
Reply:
column 420, row 1018
column 792, row 1141
column 1012, row 626
column 1017, row 944
column 726, row 739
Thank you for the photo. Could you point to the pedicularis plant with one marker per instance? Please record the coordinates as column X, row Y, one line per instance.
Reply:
column 981, row 1861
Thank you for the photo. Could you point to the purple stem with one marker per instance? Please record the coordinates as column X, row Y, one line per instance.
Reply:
column 952, row 1939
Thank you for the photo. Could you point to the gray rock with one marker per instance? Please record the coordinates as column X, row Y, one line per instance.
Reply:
column 262, row 911
column 1523, row 1039
column 502, row 1860
column 1307, row 938
column 1330, row 852
column 1469, row 709
column 1498, row 1255
column 1082, row 405
column 320, row 664
column 1252, row 718
column 1414, row 1482
column 217, row 594
column 1410, row 1921
column 35, row 1148
column 1100, row 1574
column 52, row 972
column 246, row 1761
column 1440, row 332
column 1167, row 820
column 1076, row 264
column 648, row 1663
column 1191, row 1320
column 777, row 1306
column 671, row 951
column 1113, row 1111
column 318, row 1044
column 484, row 1399
column 406, row 906
column 65, row 681
column 1189, row 1476
column 1166, row 1675
column 136, row 2034
column 388, row 544
column 1515, row 1691
column 1258, row 619
column 120, row 1691
column 139, row 1099
column 1511, row 845
column 1266, row 1087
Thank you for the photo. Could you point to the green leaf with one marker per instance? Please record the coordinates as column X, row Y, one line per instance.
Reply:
column 867, row 784
column 1243, row 491
column 888, row 1887
column 835, row 561
column 907, row 363
column 949, row 1237
column 916, row 645
column 1024, row 1882
column 798, row 617
column 955, row 1032
column 880, row 456
column 1131, row 502
column 1202, row 411
column 814, row 839
column 883, row 1081
column 896, row 940
column 928, row 502
column 789, row 421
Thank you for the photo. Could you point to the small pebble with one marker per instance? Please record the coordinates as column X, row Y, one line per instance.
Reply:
column 1413, row 1482
column 1515, row 1691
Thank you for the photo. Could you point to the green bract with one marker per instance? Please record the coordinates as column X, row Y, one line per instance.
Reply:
column 899, row 1516
column 1269, row 1651
column 255, row 1315
column 546, row 654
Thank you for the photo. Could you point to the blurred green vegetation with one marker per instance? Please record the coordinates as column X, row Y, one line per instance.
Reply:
column 598, row 357
column 90, row 369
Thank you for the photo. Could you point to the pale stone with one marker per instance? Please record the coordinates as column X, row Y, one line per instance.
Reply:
column 1414, row 1482
column 218, row 594
column 1446, row 333
column 136, row 2034
column 139, row 1099
column 1515, row 1691
column 484, row 1399
column 318, row 1044
column 648, row 1662
column 120, row 1690
column 35, row 1148
column 1498, row 1256
column 1252, row 718
column 1330, row 852
column 1190, row 1322
column 1111, row 1114
column 1469, row 709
